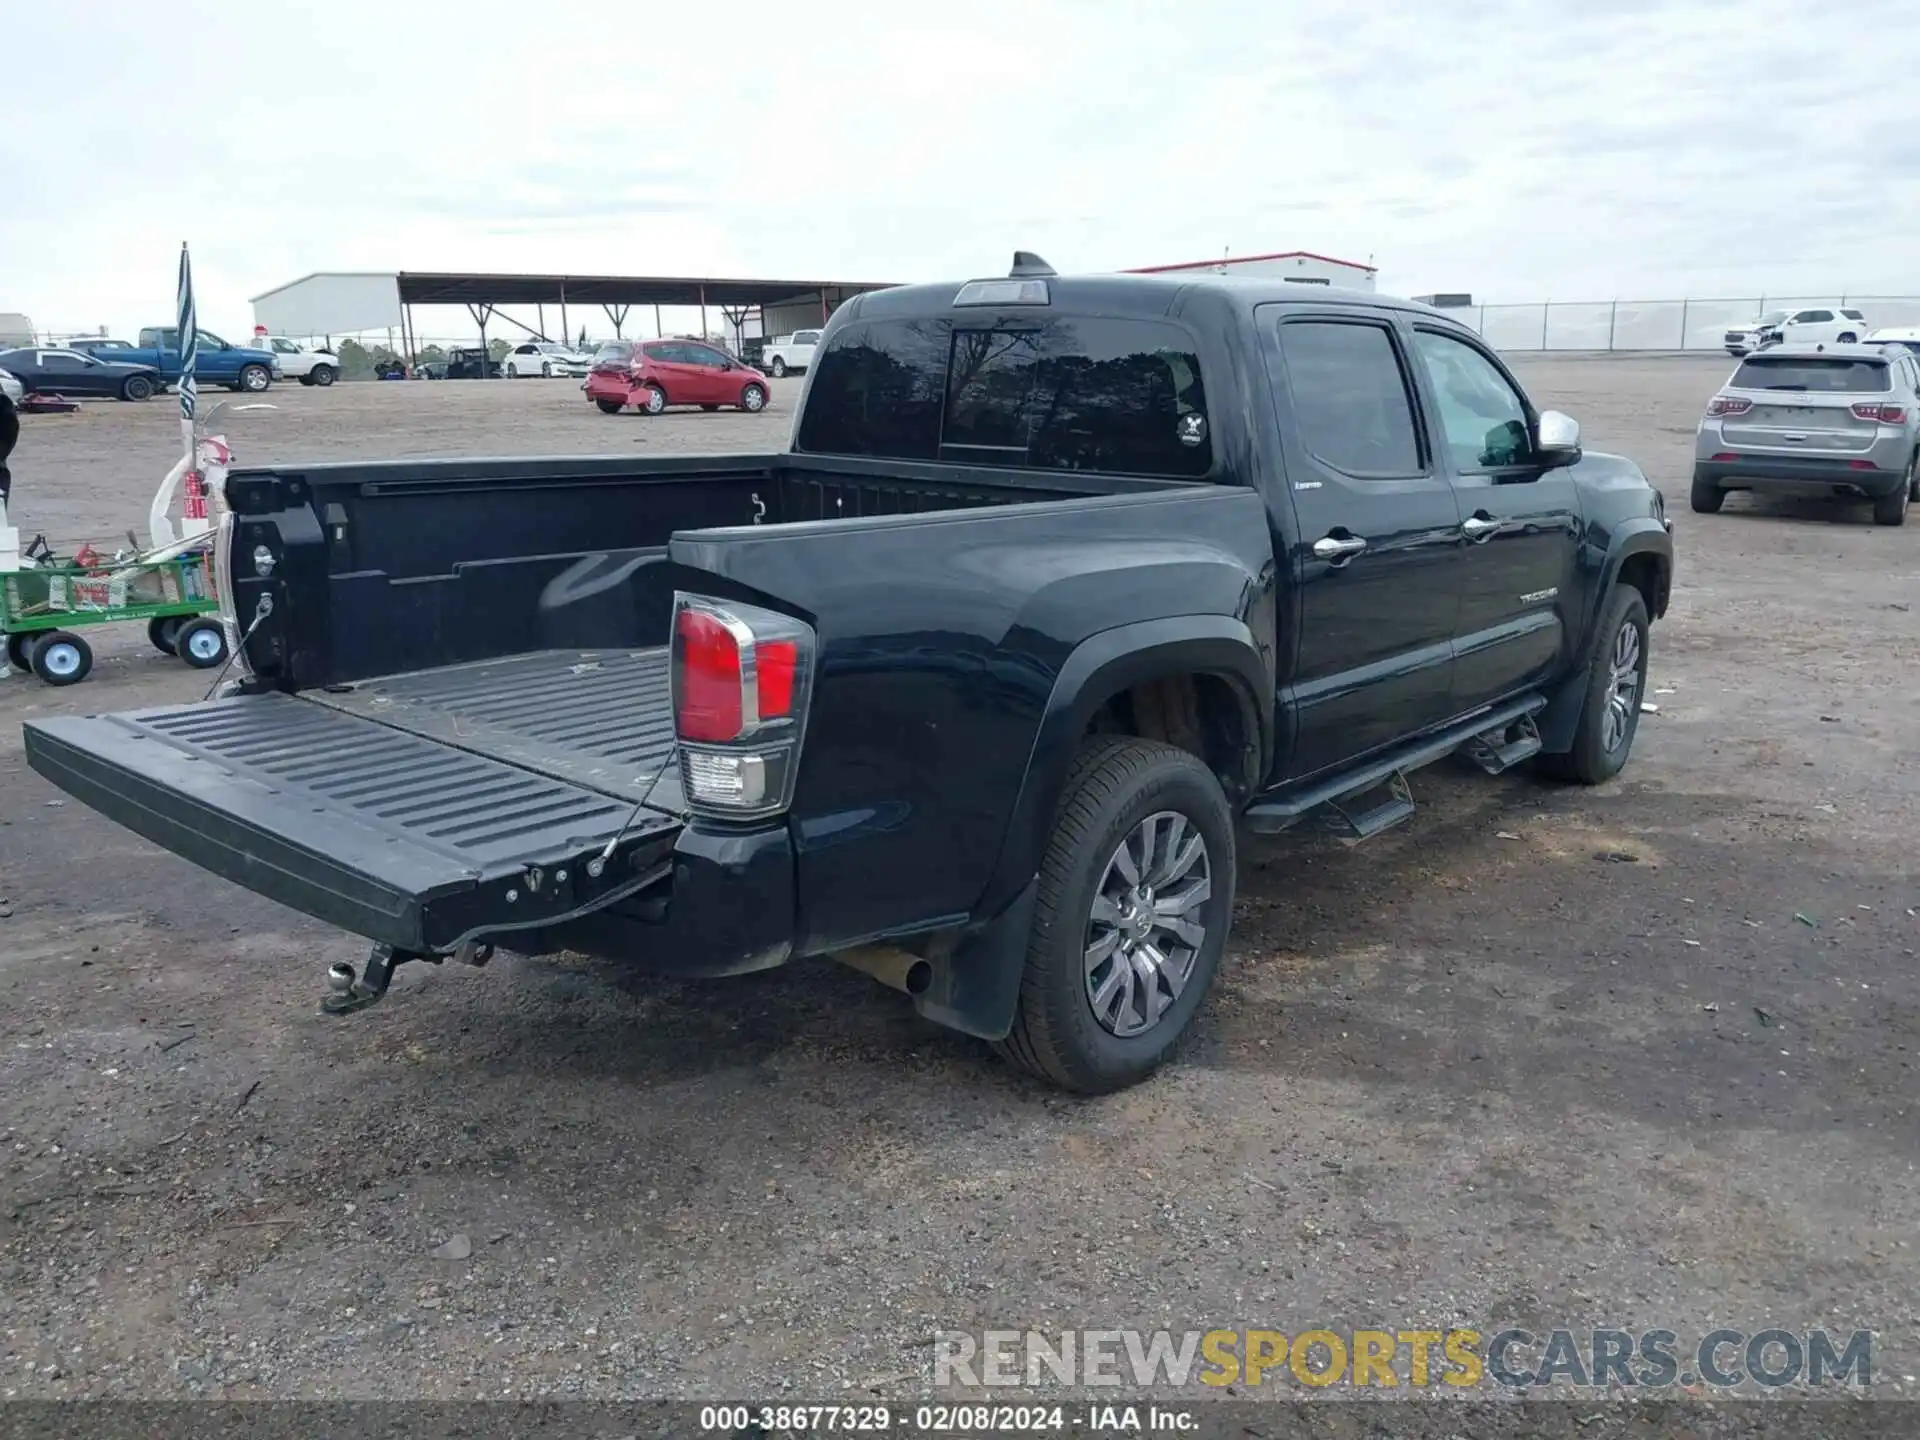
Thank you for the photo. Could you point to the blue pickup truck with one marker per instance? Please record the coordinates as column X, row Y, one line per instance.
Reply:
column 238, row 367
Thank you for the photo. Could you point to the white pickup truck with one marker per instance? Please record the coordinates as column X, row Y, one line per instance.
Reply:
column 789, row 354
column 294, row 361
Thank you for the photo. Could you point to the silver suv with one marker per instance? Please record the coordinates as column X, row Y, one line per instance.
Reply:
column 1815, row 420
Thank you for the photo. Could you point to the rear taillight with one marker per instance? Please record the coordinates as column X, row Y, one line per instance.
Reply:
column 1728, row 405
column 741, row 680
column 1881, row 414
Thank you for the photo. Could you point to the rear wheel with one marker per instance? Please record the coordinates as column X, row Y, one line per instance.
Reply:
column 61, row 658
column 1708, row 497
column 20, row 648
column 1847, row 338
column 1892, row 509
column 608, row 407
column 1610, row 709
column 136, row 387
column 753, row 399
column 201, row 643
column 778, row 369
column 322, row 375
column 654, row 400
column 164, row 632
column 1135, row 895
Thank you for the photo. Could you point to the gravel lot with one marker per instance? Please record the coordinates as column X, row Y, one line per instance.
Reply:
column 1471, row 1073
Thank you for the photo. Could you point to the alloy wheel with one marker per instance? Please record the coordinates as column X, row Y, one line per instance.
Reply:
column 1145, row 931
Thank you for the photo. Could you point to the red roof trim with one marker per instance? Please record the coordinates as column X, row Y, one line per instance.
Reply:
column 1249, row 259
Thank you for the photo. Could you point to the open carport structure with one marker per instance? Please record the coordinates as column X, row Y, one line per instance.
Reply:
column 337, row 303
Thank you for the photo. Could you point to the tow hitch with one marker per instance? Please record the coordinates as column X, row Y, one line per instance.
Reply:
column 348, row 992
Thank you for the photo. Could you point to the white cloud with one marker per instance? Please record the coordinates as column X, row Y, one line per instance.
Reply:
column 1518, row 150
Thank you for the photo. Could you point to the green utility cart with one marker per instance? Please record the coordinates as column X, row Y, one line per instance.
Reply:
column 42, row 607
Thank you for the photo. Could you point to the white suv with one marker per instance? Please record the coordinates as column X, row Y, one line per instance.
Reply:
column 1821, row 325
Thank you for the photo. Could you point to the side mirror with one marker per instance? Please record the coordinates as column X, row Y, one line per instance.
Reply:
column 1556, row 440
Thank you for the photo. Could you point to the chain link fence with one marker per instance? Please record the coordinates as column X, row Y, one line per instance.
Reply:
column 1658, row 325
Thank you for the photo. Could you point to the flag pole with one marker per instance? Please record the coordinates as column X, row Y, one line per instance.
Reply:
column 194, row 520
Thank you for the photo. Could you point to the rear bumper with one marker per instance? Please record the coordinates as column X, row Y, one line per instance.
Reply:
column 602, row 386
column 727, row 907
column 1811, row 476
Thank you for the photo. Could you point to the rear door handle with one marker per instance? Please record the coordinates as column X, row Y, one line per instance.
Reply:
column 1478, row 527
column 1338, row 549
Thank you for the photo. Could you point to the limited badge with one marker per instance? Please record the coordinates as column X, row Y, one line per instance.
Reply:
column 1193, row 429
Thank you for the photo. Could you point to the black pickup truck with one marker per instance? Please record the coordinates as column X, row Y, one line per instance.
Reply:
column 1059, row 579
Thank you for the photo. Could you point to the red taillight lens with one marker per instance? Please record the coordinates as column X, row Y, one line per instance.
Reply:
column 774, row 663
column 1881, row 414
column 1728, row 405
column 707, row 664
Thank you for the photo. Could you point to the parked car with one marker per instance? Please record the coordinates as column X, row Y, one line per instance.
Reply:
column 1906, row 337
column 1821, row 325
column 11, row 387
column 297, row 362
column 545, row 358
column 789, row 354
column 471, row 362
column 1833, row 420
column 654, row 374
column 68, row 372
column 1059, row 580
column 238, row 367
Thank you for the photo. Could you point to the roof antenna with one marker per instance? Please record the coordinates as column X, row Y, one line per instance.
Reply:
column 1026, row 264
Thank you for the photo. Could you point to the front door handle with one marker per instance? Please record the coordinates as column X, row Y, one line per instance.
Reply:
column 1478, row 527
column 1338, row 548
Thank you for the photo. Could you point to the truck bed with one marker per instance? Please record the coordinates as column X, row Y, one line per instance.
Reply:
column 600, row 719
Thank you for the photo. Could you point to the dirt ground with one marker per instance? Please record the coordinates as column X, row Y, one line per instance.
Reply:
column 1640, row 1056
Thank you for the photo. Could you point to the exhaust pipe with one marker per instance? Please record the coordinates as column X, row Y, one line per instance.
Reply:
column 892, row 967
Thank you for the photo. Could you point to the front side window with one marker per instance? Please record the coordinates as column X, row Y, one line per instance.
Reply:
column 1351, row 408
column 1483, row 419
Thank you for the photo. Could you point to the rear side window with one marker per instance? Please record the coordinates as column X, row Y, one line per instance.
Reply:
column 1853, row 314
column 614, row 350
column 1818, row 373
column 1120, row 397
column 1351, row 408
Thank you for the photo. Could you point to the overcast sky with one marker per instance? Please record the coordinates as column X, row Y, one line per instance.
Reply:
column 1518, row 150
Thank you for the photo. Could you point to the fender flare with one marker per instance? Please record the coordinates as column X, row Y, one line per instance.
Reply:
column 1101, row 666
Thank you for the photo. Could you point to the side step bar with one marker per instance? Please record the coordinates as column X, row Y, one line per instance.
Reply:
column 1490, row 728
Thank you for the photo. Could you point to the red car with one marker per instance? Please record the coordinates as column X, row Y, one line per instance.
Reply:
column 654, row 374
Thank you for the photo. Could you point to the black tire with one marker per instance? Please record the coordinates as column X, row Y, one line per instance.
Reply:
column 778, row 369
column 1847, row 338
column 753, row 398
column 608, row 407
column 136, row 387
column 1112, row 787
column 654, row 401
column 62, row 658
column 1592, row 760
column 201, row 643
column 323, row 376
column 254, row 379
column 1707, row 497
column 20, row 648
column 164, row 632
column 1892, row 509
column 1913, row 476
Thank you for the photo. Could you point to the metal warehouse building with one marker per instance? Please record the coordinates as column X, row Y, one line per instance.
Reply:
column 1303, row 267
column 354, row 302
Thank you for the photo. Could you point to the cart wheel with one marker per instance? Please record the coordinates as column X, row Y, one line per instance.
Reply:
column 164, row 631
column 20, row 648
column 201, row 643
column 61, row 658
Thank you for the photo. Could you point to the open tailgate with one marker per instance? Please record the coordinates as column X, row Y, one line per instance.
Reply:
column 403, row 838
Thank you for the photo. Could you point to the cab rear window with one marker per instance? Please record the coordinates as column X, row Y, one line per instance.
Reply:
column 1815, row 373
column 1115, row 396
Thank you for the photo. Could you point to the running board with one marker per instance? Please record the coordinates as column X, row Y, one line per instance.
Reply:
column 1391, row 803
column 1504, row 746
column 1272, row 816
